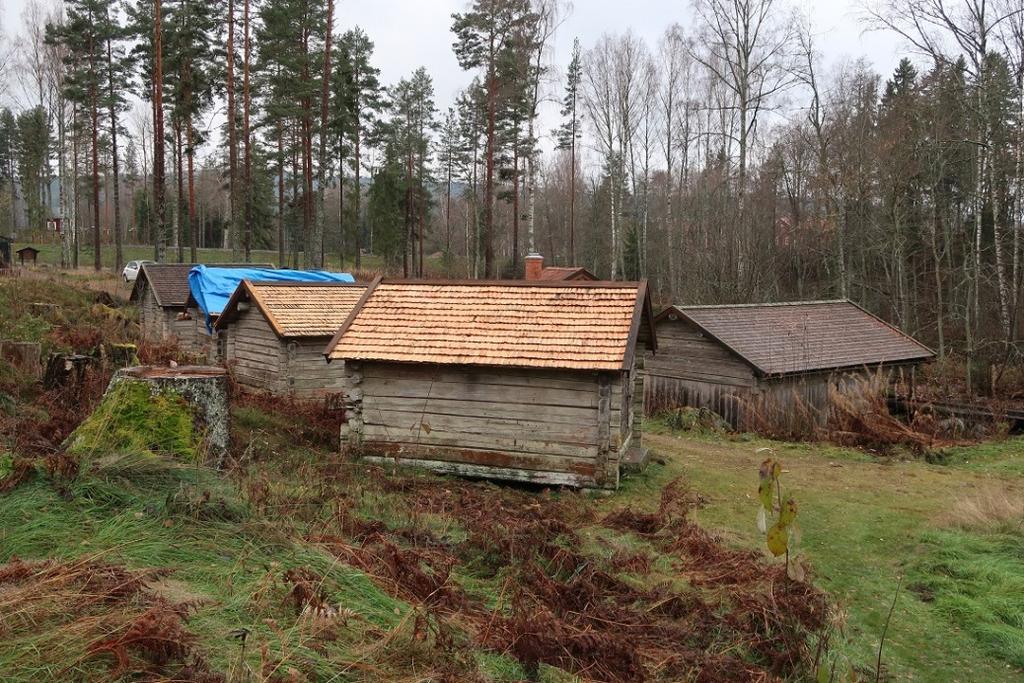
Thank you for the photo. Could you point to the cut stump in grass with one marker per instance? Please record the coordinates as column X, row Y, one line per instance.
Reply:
column 203, row 388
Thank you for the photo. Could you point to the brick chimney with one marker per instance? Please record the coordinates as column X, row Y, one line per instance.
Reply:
column 534, row 266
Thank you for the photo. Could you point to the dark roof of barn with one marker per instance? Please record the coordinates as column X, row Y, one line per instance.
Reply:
column 27, row 249
column 803, row 336
column 170, row 281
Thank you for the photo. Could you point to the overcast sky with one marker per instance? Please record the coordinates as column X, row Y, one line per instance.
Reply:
column 413, row 33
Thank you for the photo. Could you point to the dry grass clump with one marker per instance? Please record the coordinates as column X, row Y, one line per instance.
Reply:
column 89, row 618
column 991, row 507
column 555, row 604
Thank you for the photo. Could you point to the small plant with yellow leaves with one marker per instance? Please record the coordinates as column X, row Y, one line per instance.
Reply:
column 783, row 531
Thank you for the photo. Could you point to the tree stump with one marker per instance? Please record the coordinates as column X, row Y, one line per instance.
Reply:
column 122, row 355
column 204, row 389
column 42, row 309
column 22, row 355
column 63, row 369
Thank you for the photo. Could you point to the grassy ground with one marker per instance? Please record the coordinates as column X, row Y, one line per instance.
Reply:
column 418, row 577
column 865, row 523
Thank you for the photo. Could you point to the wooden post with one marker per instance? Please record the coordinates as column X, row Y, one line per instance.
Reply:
column 607, row 468
column 638, row 402
column 352, row 428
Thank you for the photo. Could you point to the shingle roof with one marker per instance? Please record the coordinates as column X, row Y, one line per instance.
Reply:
column 566, row 273
column 511, row 323
column 804, row 336
column 170, row 281
column 307, row 309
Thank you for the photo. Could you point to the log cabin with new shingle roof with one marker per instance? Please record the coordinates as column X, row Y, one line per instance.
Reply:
column 272, row 335
column 772, row 359
column 522, row 380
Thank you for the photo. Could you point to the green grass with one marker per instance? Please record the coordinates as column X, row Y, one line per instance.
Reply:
column 864, row 523
column 976, row 580
column 221, row 563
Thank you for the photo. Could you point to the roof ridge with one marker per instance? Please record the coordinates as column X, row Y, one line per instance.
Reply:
column 586, row 284
column 765, row 304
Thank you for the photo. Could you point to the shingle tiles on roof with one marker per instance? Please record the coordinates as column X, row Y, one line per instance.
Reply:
column 800, row 337
column 506, row 324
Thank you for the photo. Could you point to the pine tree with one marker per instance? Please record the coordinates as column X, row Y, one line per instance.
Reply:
column 190, row 78
column 291, row 37
column 85, row 34
column 567, row 135
column 486, row 34
column 358, row 103
column 32, row 151
column 8, row 152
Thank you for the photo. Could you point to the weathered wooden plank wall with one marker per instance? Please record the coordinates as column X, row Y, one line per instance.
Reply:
column 253, row 352
column 262, row 360
column 532, row 425
column 307, row 374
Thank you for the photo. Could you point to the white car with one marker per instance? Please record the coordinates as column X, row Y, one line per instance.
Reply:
column 131, row 270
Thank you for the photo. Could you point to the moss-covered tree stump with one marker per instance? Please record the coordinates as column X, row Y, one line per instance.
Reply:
column 182, row 411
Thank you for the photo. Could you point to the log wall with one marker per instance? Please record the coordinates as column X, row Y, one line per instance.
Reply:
column 253, row 352
column 262, row 360
column 692, row 370
column 545, row 426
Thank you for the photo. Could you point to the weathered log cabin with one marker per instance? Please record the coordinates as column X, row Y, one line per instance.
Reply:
column 167, row 309
column 758, row 364
column 522, row 380
column 273, row 335
column 161, row 292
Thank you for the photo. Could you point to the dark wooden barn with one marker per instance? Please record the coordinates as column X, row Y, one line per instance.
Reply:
column 529, row 381
column 161, row 292
column 272, row 335
column 751, row 363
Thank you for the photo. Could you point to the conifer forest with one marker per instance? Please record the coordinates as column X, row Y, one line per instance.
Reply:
column 725, row 161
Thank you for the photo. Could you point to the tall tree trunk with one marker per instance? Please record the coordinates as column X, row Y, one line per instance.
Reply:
column 181, row 212
column 118, row 250
column 515, row 202
column 280, row 194
column 159, row 186
column 358, row 194
column 77, row 220
column 488, row 237
column 234, row 230
column 572, row 190
column 94, row 104
column 193, row 256
column 409, row 244
column 66, row 185
column 247, row 140
column 321, row 173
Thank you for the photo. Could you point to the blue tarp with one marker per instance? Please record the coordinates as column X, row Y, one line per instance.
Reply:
column 211, row 287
